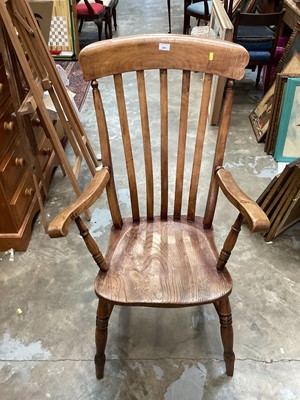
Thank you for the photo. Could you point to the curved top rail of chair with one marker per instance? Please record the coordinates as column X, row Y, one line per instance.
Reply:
column 163, row 51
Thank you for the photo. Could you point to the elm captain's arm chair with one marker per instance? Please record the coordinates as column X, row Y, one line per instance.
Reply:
column 166, row 258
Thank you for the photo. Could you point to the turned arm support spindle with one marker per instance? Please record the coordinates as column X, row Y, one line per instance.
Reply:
column 59, row 226
column 91, row 245
column 249, row 210
column 230, row 243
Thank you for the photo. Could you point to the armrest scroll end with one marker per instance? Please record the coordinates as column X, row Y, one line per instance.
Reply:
column 256, row 218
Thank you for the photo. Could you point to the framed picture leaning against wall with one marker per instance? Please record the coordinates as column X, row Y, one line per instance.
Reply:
column 288, row 137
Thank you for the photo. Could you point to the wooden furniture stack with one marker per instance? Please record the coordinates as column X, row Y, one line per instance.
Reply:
column 18, row 198
column 281, row 200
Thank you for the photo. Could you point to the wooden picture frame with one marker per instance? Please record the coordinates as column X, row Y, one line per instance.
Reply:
column 280, row 87
column 291, row 69
column 288, row 138
column 220, row 27
column 260, row 116
column 235, row 5
column 245, row 6
column 248, row 6
column 292, row 47
column 264, row 116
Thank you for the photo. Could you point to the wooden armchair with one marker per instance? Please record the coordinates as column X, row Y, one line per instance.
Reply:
column 166, row 258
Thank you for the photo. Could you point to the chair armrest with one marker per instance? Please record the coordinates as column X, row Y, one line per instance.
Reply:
column 250, row 210
column 59, row 226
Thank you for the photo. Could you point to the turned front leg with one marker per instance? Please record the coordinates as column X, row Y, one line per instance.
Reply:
column 224, row 312
column 103, row 314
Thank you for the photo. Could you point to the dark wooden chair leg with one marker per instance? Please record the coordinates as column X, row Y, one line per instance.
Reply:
column 103, row 314
column 259, row 69
column 186, row 24
column 114, row 15
column 267, row 78
column 224, row 312
column 108, row 24
column 99, row 23
column 80, row 25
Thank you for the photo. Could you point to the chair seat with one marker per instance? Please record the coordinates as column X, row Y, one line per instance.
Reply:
column 259, row 56
column 82, row 9
column 257, row 33
column 198, row 8
column 162, row 263
column 258, row 46
column 203, row 31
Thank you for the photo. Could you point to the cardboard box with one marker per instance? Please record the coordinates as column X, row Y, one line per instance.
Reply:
column 42, row 10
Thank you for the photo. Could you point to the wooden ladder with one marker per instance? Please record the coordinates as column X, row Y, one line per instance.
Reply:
column 20, row 29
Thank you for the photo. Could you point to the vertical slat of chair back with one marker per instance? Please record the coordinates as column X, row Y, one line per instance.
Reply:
column 146, row 144
column 164, row 143
column 161, row 53
column 184, row 108
column 202, row 122
column 127, row 147
column 106, row 156
column 219, row 155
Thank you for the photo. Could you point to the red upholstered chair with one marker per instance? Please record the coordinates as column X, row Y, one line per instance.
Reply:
column 91, row 12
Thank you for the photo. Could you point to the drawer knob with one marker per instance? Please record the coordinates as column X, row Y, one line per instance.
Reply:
column 1, row 88
column 36, row 122
column 29, row 192
column 19, row 162
column 46, row 151
column 9, row 126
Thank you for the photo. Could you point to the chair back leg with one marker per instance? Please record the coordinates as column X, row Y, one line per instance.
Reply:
column 114, row 15
column 80, row 25
column 186, row 24
column 259, row 68
column 98, row 22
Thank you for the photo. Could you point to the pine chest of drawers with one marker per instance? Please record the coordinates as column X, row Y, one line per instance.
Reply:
column 18, row 198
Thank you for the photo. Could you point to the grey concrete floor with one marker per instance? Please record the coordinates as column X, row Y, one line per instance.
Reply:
column 46, row 351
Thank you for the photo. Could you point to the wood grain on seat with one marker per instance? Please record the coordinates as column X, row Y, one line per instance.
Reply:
column 162, row 263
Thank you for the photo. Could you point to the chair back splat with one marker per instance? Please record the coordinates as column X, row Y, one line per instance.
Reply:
column 148, row 53
column 153, row 145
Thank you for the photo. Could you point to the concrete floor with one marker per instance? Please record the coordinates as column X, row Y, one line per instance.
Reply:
column 46, row 351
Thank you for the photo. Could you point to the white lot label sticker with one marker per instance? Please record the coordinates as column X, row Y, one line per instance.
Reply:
column 164, row 46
